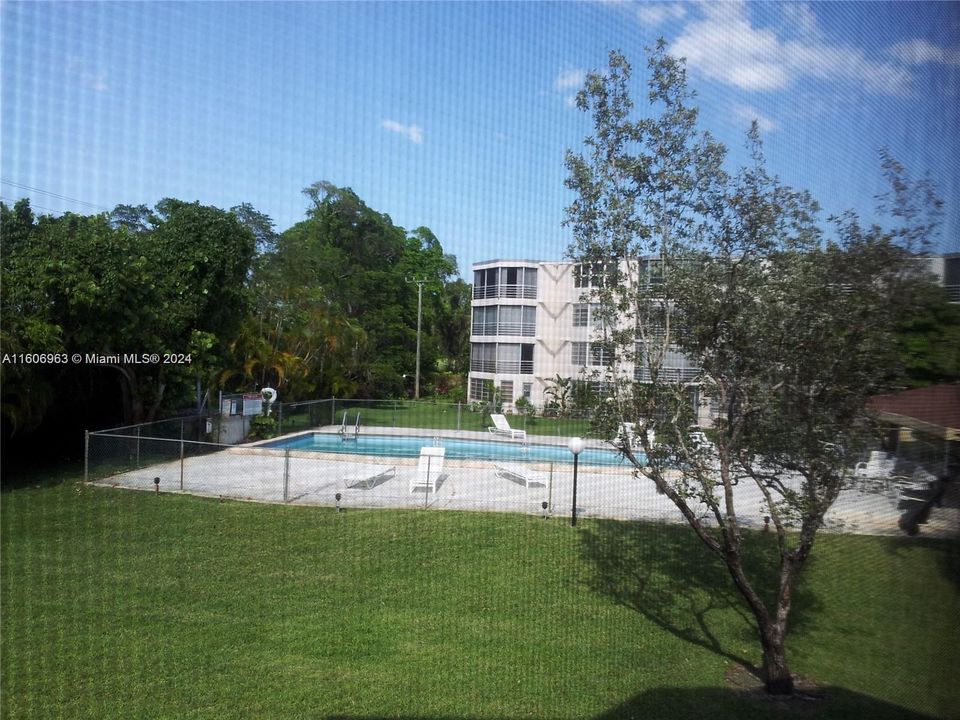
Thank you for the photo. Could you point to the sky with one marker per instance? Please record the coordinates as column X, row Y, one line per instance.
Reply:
column 454, row 115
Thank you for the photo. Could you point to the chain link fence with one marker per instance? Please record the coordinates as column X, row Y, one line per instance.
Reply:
column 504, row 475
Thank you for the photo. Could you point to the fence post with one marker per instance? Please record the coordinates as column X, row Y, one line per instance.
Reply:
column 138, row 446
column 458, row 415
column 333, row 411
column 394, row 413
column 550, row 488
column 286, row 475
column 279, row 418
column 86, row 456
column 181, row 459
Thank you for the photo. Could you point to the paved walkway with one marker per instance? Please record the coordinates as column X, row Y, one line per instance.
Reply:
column 310, row 478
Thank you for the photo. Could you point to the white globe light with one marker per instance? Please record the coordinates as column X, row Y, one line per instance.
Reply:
column 576, row 445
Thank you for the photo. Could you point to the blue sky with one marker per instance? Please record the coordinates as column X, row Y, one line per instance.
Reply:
column 453, row 115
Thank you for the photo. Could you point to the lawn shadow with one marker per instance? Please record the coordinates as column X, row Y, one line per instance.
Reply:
column 39, row 473
column 946, row 551
column 667, row 575
column 721, row 703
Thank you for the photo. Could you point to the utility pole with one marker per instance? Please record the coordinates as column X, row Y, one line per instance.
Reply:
column 416, row 380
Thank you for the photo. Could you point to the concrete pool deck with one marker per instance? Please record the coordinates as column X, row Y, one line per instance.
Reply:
column 254, row 473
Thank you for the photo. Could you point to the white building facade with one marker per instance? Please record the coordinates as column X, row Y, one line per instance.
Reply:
column 532, row 323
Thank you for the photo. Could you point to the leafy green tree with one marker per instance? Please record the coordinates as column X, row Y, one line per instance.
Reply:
column 928, row 339
column 559, row 394
column 786, row 334
column 453, row 325
column 362, row 265
column 27, row 323
column 97, row 285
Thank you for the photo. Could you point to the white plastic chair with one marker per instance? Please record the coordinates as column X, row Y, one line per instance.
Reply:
column 502, row 427
column 366, row 474
column 429, row 469
column 521, row 473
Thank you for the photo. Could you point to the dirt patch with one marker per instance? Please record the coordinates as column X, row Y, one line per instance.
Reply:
column 747, row 683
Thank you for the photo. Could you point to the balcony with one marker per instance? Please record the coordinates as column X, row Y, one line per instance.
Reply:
column 505, row 328
column 488, row 292
column 524, row 367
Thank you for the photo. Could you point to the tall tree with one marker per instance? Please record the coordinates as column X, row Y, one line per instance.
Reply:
column 27, row 323
column 722, row 288
column 124, row 290
column 360, row 262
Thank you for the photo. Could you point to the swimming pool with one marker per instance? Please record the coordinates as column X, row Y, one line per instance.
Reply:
column 409, row 446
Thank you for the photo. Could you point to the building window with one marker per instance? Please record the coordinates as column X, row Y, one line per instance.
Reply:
column 676, row 367
column 596, row 354
column 506, row 391
column 587, row 315
column 578, row 354
column 595, row 275
column 601, row 355
column 581, row 315
column 519, row 282
column 505, row 282
column 479, row 389
column 506, row 358
column 483, row 357
column 651, row 273
column 486, row 283
column 527, row 390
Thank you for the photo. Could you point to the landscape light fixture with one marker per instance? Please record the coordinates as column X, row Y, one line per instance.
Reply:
column 156, row 484
column 338, row 496
column 544, row 506
column 575, row 446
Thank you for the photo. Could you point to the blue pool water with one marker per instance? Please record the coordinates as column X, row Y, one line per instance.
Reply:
column 408, row 446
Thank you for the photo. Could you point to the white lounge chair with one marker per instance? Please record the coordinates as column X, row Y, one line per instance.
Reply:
column 515, row 472
column 627, row 432
column 366, row 474
column 502, row 427
column 429, row 470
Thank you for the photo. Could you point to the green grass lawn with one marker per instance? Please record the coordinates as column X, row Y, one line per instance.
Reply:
column 424, row 414
column 123, row 604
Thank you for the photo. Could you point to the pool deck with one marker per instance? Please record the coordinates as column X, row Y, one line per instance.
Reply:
column 254, row 473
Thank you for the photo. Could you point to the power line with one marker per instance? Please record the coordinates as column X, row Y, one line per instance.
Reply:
column 58, row 196
column 33, row 206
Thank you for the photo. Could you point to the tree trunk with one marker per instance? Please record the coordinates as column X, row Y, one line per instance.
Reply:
column 773, row 631
column 776, row 675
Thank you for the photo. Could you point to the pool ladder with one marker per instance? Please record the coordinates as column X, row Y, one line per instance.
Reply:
column 347, row 432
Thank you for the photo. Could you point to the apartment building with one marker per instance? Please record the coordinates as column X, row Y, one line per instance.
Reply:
column 531, row 324
column 947, row 270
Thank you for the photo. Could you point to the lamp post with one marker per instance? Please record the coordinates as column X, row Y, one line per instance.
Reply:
column 576, row 446
column 419, row 282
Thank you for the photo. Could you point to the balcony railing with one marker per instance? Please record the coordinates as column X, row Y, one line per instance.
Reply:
column 505, row 328
column 486, row 292
column 524, row 367
column 670, row 374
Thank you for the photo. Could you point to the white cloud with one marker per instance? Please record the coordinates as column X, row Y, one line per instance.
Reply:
column 921, row 52
column 800, row 20
column 725, row 46
column 571, row 78
column 654, row 14
column 747, row 114
column 413, row 133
